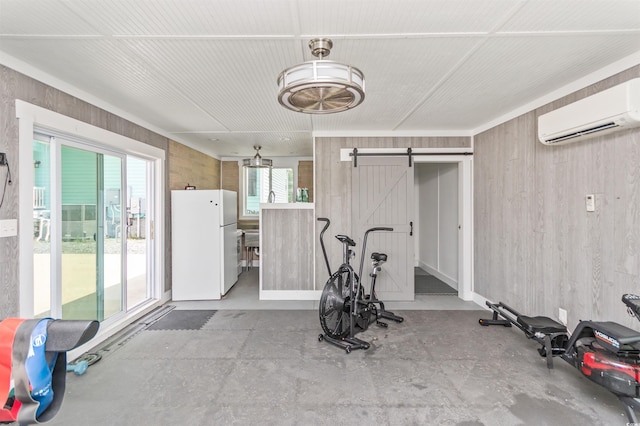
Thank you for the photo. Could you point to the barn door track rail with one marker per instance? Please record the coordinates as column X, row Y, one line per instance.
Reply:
column 409, row 153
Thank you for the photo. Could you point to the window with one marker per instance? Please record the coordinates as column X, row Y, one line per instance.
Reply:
column 259, row 182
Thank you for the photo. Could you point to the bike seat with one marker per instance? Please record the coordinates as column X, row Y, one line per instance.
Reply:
column 379, row 257
column 345, row 239
column 544, row 325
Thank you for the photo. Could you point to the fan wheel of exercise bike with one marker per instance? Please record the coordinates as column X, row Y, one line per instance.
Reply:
column 335, row 316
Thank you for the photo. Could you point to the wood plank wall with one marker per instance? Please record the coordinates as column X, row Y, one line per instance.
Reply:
column 188, row 166
column 333, row 186
column 14, row 85
column 536, row 247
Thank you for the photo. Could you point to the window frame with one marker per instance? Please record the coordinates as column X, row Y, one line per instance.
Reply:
column 278, row 163
column 245, row 188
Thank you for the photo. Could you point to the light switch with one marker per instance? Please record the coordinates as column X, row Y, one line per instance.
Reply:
column 591, row 202
column 8, row 228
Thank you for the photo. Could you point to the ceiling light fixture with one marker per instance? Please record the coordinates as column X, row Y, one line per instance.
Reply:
column 321, row 87
column 257, row 161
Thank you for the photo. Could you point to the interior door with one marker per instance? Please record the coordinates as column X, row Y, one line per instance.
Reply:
column 382, row 196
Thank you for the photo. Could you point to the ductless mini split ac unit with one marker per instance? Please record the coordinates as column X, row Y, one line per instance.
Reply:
column 605, row 112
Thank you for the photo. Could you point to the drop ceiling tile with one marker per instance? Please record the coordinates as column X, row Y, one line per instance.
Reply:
column 103, row 69
column 41, row 17
column 576, row 15
column 384, row 17
column 187, row 17
column 398, row 75
column 232, row 80
column 508, row 72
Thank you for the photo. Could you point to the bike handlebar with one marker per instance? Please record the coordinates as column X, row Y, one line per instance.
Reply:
column 324, row 251
column 324, row 219
column 364, row 245
column 633, row 304
column 379, row 229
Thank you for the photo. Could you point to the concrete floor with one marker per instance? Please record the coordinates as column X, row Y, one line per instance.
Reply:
column 267, row 367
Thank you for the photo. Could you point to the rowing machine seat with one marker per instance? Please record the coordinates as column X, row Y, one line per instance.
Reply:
column 544, row 325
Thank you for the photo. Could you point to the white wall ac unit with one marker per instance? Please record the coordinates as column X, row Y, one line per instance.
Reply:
column 611, row 110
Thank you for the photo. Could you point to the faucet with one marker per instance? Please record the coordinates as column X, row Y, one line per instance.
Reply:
column 272, row 197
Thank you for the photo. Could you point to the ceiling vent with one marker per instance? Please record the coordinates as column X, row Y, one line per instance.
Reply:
column 611, row 110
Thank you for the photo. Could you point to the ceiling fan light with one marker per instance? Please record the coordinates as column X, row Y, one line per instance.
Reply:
column 321, row 87
column 257, row 161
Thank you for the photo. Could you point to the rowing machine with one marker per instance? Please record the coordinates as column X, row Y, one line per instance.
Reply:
column 605, row 352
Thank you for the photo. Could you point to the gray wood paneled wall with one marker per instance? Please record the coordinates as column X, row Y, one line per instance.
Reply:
column 333, row 186
column 536, row 247
column 286, row 249
column 14, row 85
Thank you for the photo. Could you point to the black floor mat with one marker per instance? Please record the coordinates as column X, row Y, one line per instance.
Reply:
column 428, row 284
column 182, row 320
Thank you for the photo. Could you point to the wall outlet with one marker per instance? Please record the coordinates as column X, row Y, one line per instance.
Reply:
column 8, row 228
column 3, row 159
column 562, row 316
column 591, row 202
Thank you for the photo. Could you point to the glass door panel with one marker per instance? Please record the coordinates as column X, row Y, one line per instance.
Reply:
column 41, row 229
column 113, row 231
column 91, row 248
column 137, row 231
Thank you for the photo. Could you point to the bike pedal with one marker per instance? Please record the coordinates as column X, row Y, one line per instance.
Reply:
column 382, row 324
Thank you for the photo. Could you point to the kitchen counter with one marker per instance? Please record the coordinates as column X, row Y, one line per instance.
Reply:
column 287, row 251
column 286, row 206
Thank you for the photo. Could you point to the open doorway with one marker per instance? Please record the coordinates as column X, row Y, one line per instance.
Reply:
column 436, row 213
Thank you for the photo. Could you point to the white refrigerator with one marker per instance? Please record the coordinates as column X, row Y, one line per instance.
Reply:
column 203, row 243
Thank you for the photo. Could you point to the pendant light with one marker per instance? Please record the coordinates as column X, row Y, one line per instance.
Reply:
column 257, row 161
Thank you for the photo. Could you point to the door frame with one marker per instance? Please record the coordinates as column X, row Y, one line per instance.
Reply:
column 465, row 201
column 30, row 117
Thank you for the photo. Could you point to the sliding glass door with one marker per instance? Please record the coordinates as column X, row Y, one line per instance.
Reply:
column 90, row 248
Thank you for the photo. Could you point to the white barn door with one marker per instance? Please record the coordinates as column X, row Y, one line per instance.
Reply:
column 382, row 196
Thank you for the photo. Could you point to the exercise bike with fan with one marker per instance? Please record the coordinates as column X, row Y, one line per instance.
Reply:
column 345, row 309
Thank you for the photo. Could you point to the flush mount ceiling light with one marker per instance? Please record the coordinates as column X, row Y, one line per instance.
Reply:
column 321, row 87
column 257, row 160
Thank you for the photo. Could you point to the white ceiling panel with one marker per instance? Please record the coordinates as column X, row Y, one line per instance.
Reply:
column 387, row 18
column 576, row 15
column 233, row 80
column 203, row 70
column 101, row 66
column 187, row 17
column 41, row 17
column 506, row 73
column 399, row 74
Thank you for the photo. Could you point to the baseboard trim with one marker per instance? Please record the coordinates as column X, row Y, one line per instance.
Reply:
column 439, row 275
column 290, row 294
